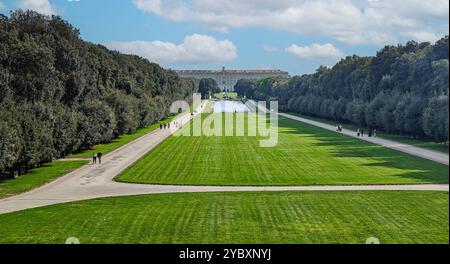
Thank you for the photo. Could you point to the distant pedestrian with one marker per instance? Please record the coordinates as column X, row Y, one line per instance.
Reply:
column 165, row 126
column 160, row 126
column 168, row 125
column 362, row 132
column 359, row 132
column 100, row 155
column 375, row 133
column 370, row 133
column 94, row 158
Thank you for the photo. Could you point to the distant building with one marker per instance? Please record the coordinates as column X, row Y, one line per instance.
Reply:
column 227, row 79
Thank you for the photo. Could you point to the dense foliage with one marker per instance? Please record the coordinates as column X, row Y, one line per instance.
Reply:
column 208, row 87
column 60, row 94
column 403, row 89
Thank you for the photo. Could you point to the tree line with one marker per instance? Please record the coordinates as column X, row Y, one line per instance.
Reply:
column 60, row 94
column 207, row 87
column 403, row 89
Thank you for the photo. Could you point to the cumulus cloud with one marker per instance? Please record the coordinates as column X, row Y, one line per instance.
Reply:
column 195, row 49
column 323, row 53
column 348, row 21
column 41, row 6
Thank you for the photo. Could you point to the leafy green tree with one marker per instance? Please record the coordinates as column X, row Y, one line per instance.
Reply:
column 207, row 86
column 246, row 88
column 102, row 120
column 435, row 118
column 126, row 113
column 9, row 146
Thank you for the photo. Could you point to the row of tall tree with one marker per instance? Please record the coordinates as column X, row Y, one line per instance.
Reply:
column 208, row 87
column 60, row 94
column 403, row 89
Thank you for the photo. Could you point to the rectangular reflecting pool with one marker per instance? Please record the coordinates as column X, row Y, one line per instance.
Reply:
column 230, row 107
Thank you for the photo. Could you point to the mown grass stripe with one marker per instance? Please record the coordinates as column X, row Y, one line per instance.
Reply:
column 279, row 217
column 305, row 155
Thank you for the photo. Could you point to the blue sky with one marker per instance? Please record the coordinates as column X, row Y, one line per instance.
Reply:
column 293, row 35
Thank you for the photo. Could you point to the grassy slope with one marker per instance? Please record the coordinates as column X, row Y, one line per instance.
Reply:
column 284, row 217
column 119, row 142
column 38, row 177
column 441, row 147
column 305, row 155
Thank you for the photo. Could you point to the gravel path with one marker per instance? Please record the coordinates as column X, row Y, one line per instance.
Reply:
column 91, row 181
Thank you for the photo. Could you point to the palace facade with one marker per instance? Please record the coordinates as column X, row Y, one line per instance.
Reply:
column 227, row 79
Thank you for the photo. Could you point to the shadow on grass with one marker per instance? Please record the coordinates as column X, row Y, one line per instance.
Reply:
column 30, row 172
column 342, row 146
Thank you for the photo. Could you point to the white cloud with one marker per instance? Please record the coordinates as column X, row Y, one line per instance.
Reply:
column 421, row 35
column 348, row 21
column 323, row 53
column 196, row 49
column 41, row 6
column 270, row 48
column 2, row 6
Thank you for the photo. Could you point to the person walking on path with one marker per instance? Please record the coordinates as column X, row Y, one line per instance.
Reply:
column 100, row 155
column 362, row 132
column 94, row 158
column 375, row 133
column 160, row 126
column 359, row 132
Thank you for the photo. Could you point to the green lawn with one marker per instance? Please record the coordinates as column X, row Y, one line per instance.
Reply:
column 281, row 217
column 38, row 177
column 120, row 141
column 231, row 95
column 305, row 155
column 441, row 147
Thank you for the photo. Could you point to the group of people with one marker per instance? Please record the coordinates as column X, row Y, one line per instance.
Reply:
column 359, row 132
column 97, row 157
column 167, row 125
column 372, row 133
column 164, row 126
